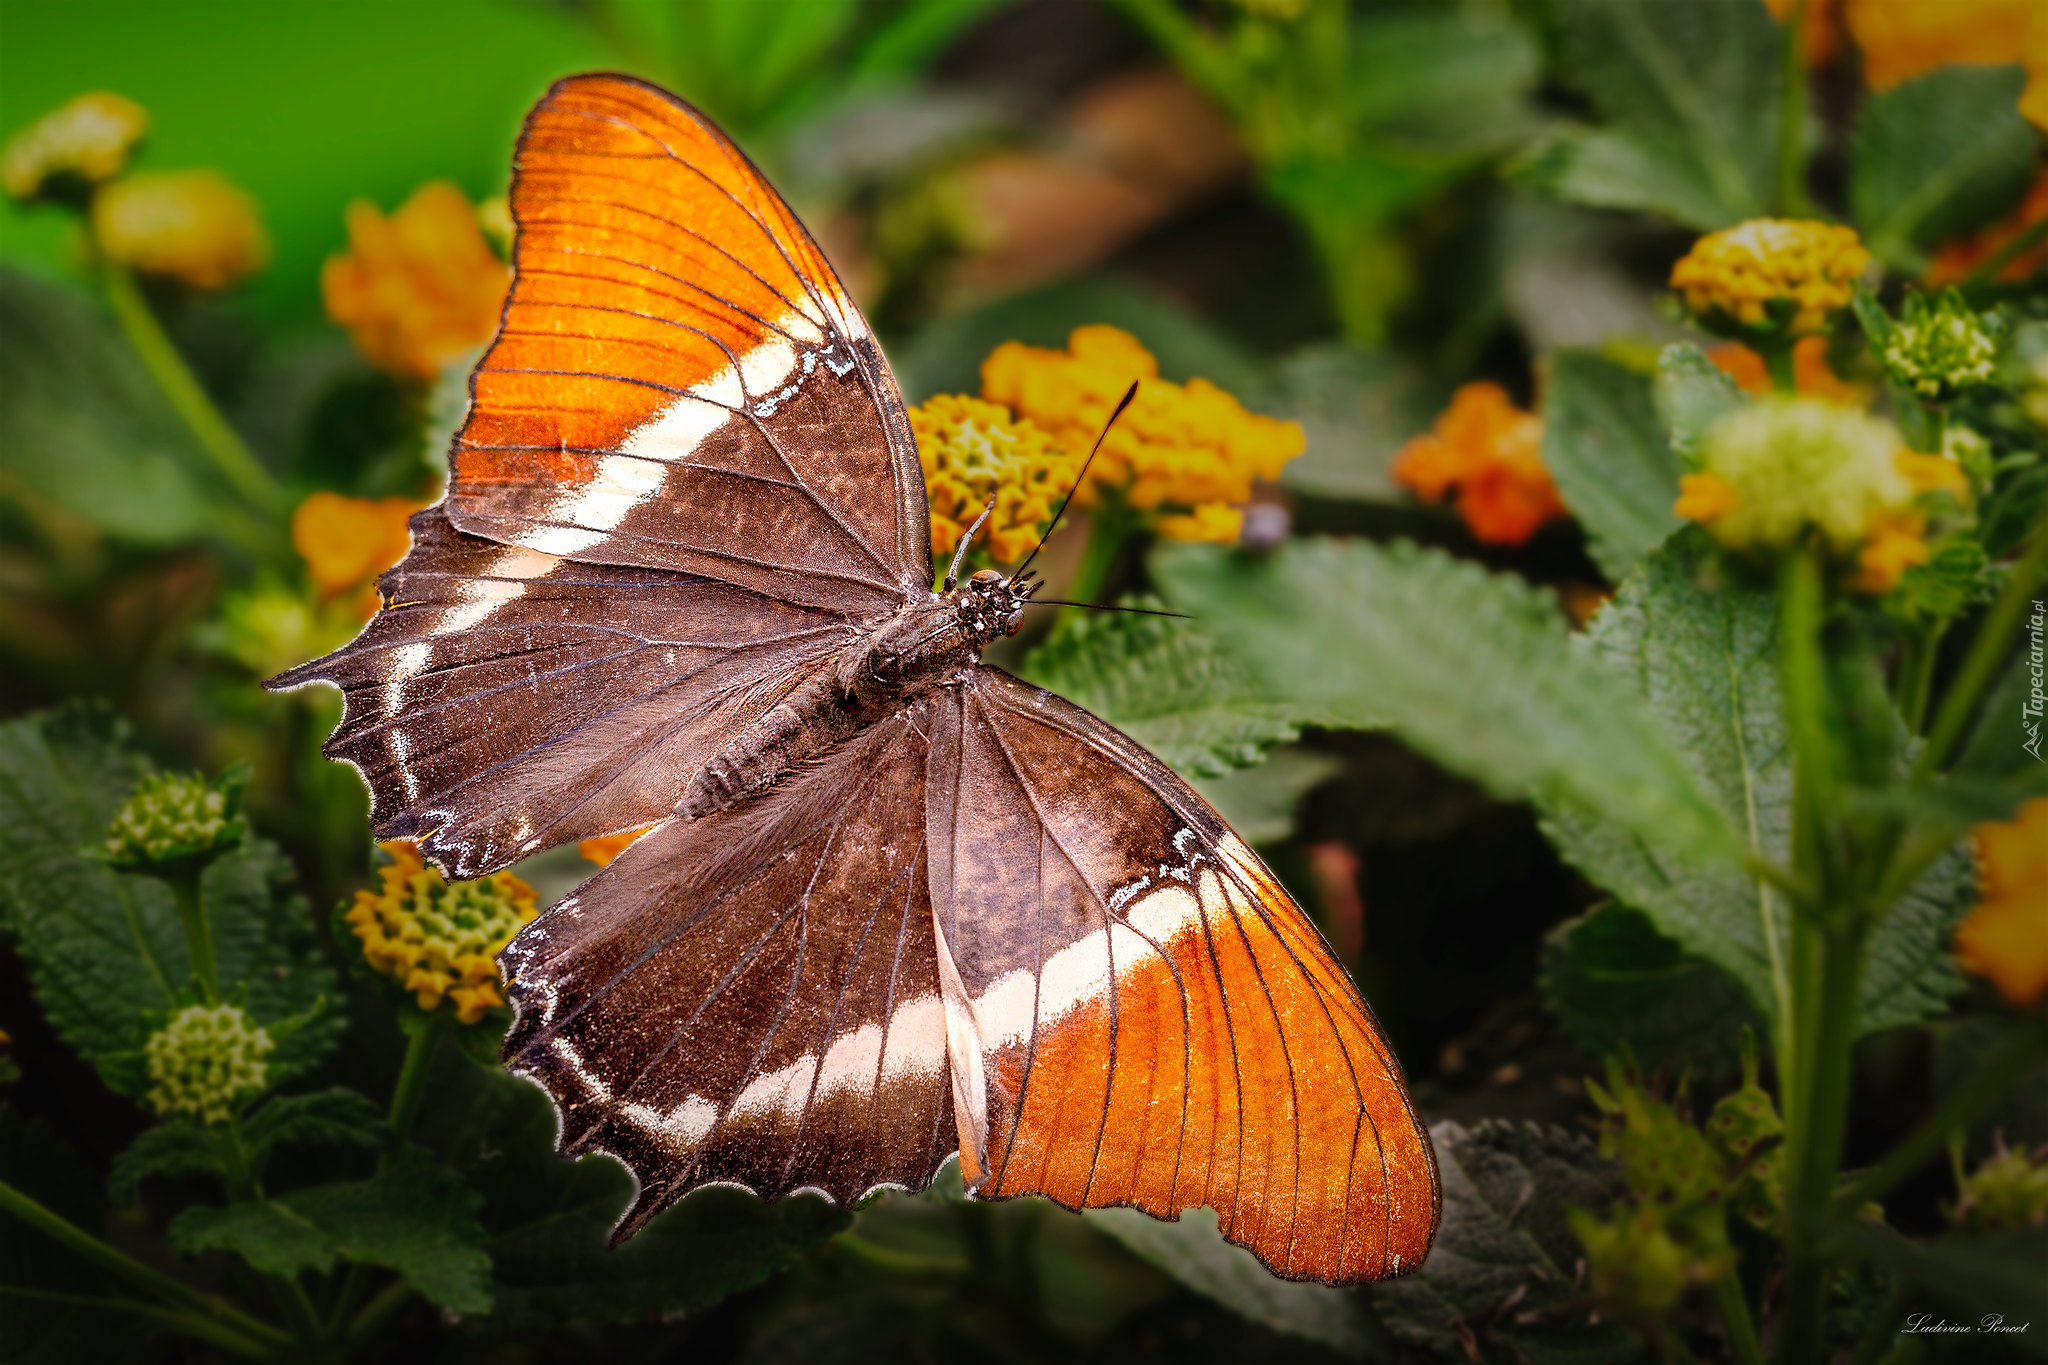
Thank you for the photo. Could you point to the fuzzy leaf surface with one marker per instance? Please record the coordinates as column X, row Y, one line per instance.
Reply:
column 268, row 1235
column 1472, row 668
column 1937, row 157
column 1691, row 393
column 1606, row 449
column 418, row 1218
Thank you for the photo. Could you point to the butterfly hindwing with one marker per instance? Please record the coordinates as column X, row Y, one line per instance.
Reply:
column 1157, row 1023
column 752, row 996
column 680, row 381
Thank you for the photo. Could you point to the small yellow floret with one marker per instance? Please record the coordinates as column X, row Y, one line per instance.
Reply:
column 1897, row 541
column 89, row 138
column 1771, row 273
column 1213, row 523
column 440, row 940
column 189, row 225
column 972, row 451
column 1934, row 474
column 2005, row 938
column 1703, row 497
column 1179, row 446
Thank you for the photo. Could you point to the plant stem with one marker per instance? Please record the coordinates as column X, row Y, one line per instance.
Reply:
column 1777, row 358
column 1110, row 524
column 61, row 1229
column 1987, row 651
column 1916, row 674
column 160, row 356
column 2020, row 1050
column 190, row 898
column 1791, row 187
column 388, row 1300
column 176, row 1319
column 1735, row 1319
column 412, row 1080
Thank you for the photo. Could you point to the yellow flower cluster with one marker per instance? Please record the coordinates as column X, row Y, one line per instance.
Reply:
column 1190, row 451
column 419, row 288
column 1773, row 469
column 1770, row 274
column 2005, row 939
column 190, row 225
column 89, row 139
column 440, row 940
column 972, row 451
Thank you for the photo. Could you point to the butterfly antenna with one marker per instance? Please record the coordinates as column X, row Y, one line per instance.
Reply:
column 1129, row 394
column 953, row 571
column 1104, row 606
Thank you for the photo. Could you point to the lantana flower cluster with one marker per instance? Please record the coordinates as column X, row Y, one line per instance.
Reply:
column 973, row 450
column 418, row 288
column 1771, row 275
column 1488, row 454
column 436, row 938
column 172, row 818
column 205, row 1061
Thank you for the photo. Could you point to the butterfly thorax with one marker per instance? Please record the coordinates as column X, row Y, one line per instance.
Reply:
column 906, row 655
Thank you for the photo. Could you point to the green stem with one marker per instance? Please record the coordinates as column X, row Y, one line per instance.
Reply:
column 1916, row 674
column 1778, row 363
column 1994, row 640
column 176, row 1319
column 191, row 901
column 412, row 1079
column 1987, row 269
column 2026, row 1045
column 1791, row 188
column 389, row 1300
column 219, row 439
column 62, row 1230
column 1735, row 1319
column 1110, row 524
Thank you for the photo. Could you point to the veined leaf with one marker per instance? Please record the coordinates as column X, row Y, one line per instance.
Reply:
column 1703, row 659
column 1169, row 686
column 266, row 1234
column 105, row 952
column 177, row 1147
column 1504, row 1241
column 1472, row 668
column 1614, row 468
column 1193, row 1252
column 418, row 1218
column 1691, row 393
column 1613, row 981
column 1938, row 156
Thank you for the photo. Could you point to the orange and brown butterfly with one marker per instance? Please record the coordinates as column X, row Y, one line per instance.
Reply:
column 895, row 903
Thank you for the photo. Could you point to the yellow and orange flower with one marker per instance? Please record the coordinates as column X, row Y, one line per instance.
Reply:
column 440, row 939
column 1179, row 448
column 87, row 139
column 1901, row 39
column 1771, row 274
column 419, row 288
column 1491, row 453
column 2005, row 938
column 973, row 451
column 192, row 226
column 346, row 542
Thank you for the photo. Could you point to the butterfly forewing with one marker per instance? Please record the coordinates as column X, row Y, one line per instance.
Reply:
column 753, row 996
column 680, row 381
column 1157, row 1022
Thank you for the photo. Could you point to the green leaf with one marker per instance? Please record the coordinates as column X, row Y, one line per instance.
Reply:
column 1614, row 468
column 1357, row 408
column 1168, row 685
column 175, row 1148
column 549, row 1221
column 1703, row 657
column 1614, row 982
column 266, row 1234
column 1447, row 87
column 1691, row 393
column 325, row 1118
column 83, row 426
column 1504, row 1245
column 418, row 1218
column 1193, row 1252
column 1690, row 93
column 105, row 952
column 1937, row 157
column 1475, row 669
column 2003, row 1273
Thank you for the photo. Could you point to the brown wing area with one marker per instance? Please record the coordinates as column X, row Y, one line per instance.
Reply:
column 680, row 381
column 752, row 997
column 1157, row 1023
column 507, row 700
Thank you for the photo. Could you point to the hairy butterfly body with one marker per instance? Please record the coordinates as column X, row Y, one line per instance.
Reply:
column 895, row 904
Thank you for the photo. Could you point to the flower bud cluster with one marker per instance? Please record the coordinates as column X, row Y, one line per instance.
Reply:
column 204, row 1061
column 173, row 818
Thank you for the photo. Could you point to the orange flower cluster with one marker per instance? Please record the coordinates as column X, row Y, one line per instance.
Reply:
column 1188, row 451
column 1491, row 453
column 440, row 939
column 1811, row 372
column 2005, row 939
column 1901, row 39
column 347, row 542
column 419, row 288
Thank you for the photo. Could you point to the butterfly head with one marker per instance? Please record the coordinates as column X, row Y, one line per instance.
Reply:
column 990, row 604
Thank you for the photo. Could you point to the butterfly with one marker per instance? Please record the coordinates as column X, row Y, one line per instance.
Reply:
column 895, row 903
